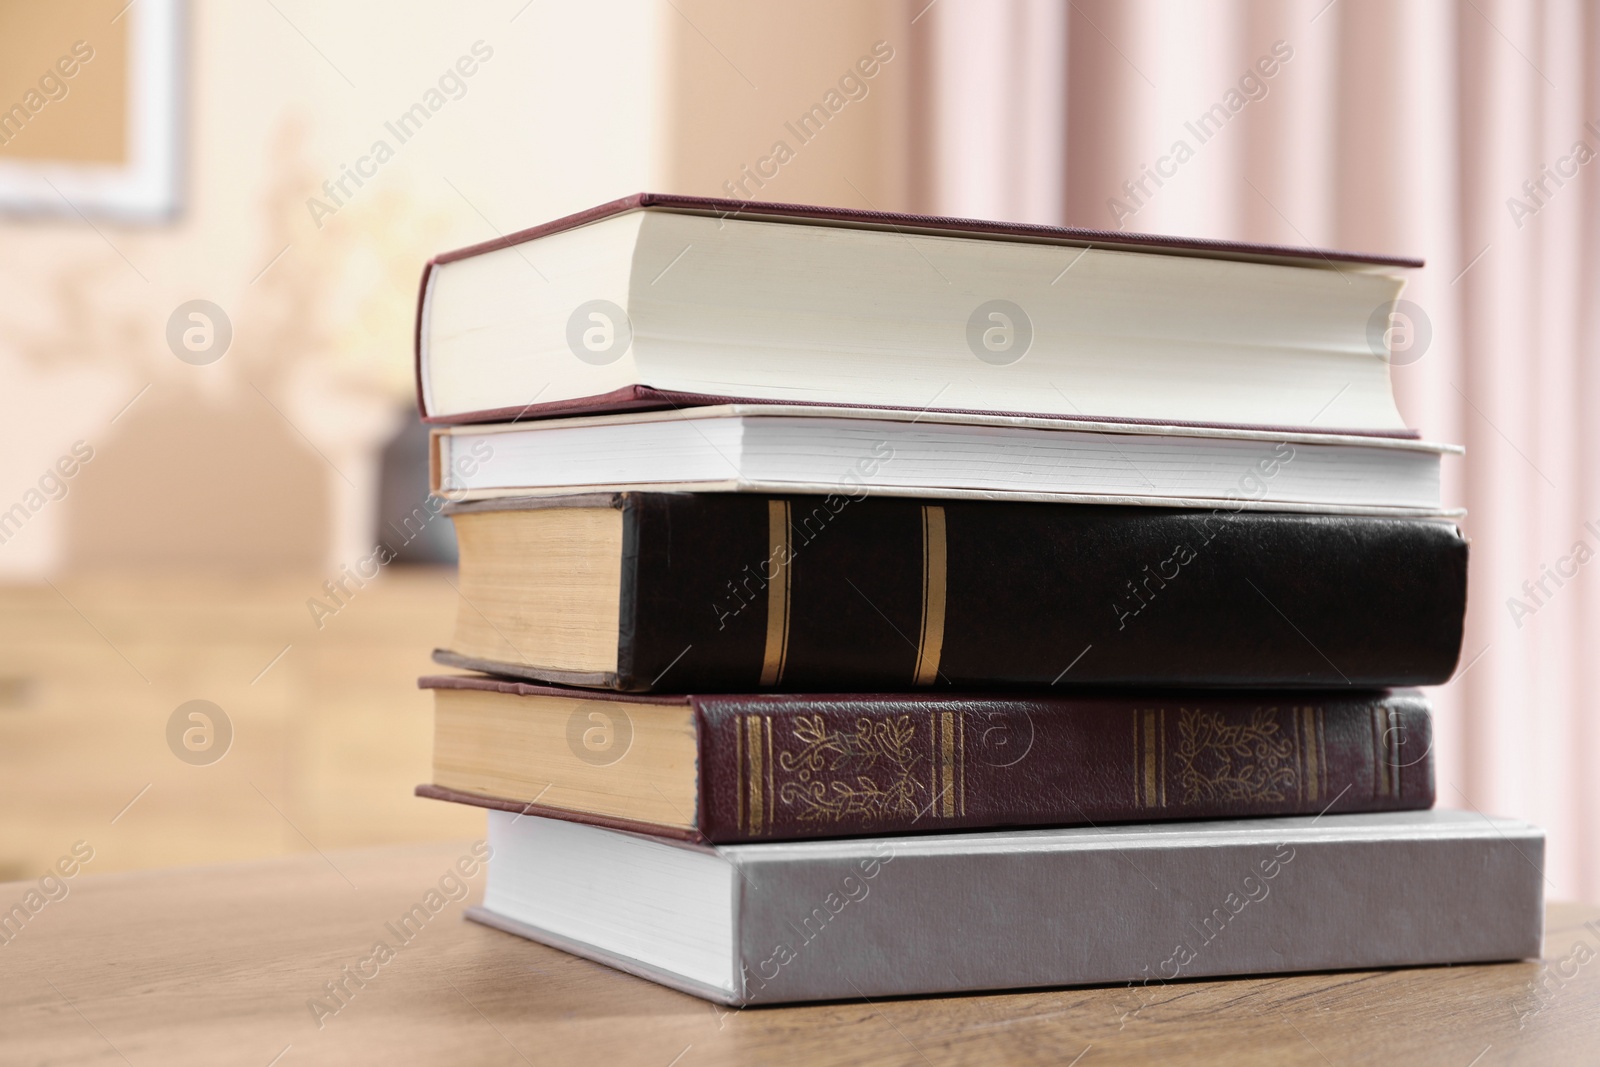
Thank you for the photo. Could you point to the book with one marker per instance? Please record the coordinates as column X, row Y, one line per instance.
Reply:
column 772, row 767
column 779, row 449
column 739, row 592
column 1143, row 904
column 658, row 301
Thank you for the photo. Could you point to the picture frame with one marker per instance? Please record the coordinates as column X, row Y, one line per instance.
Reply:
column 134, row 175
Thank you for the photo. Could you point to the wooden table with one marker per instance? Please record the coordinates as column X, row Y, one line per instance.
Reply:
column 216, row 965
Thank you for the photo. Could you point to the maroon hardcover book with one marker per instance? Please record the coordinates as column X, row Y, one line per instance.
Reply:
column 643, row 396
column 788, row 766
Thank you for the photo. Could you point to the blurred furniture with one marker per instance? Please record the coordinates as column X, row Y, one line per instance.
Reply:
column 223, row 965
column 330, row 733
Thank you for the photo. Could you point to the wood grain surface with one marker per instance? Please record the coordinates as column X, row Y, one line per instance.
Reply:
column 216, row 965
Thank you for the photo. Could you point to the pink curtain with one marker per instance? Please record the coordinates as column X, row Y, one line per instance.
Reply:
column 1466, row 133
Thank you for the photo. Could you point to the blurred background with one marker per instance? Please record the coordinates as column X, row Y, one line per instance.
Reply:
column 213, row 217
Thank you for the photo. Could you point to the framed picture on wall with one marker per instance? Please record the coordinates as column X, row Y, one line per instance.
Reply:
column 89, row 108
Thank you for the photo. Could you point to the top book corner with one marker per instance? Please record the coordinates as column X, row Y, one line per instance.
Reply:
column 658, row 301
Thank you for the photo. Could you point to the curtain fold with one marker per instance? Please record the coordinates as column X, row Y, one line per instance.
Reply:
column 1468, row 134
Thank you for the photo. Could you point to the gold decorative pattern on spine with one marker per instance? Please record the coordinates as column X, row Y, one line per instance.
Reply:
column 1299, row 756
column 866, row 771
column 777, row 652
column 1220, row 758
column 931, row 644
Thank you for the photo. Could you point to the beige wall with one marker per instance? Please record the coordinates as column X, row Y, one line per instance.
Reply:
column 741, row 75
column 265, row 459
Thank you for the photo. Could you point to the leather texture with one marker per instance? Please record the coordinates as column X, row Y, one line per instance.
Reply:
column 793, row 766
column 790, row 767
column 1034, row 596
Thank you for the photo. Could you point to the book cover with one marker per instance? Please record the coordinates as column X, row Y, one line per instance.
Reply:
column 743, row 592
column 1141, row 906
column 649, row 395
column 791, row 766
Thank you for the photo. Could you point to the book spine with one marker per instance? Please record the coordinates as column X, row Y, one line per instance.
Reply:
column 740, row 592
column 781, row 769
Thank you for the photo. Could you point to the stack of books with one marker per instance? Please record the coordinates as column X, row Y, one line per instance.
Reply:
column 860, row 604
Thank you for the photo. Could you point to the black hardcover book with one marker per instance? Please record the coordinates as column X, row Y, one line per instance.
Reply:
column 688, row 592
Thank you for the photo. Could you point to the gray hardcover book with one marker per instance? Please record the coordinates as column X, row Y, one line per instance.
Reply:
column 1145, row 904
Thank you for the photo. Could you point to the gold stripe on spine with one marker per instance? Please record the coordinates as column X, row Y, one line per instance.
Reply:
column 1149, row 759
column 1136, row 797
column 741, row 774
column 1372, row 748
column 1161, row 771
column 1380, row 784
column 961, row 764
column 1394, row 753
column 772, row 793
column 1322, row 746
column 1399, row 743
column 757, row 812
column 1310, row 717
column 931, row 645
column 1380, row 736
column 1392, row 734
column 777, row 651
column 947, row 754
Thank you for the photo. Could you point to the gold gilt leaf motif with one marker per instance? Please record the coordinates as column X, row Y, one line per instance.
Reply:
column 869, row 773
column 1252, row 761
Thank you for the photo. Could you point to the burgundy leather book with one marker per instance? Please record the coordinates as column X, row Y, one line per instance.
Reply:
column 733, row 768
column 704, row 301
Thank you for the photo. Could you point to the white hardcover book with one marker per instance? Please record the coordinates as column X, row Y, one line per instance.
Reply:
column 672, row 302
column 1140, row 904
column 775, row 449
